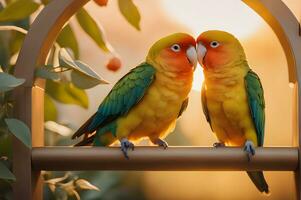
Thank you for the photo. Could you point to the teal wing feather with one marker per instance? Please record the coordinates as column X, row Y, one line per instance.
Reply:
column 204, row 105
column 126, row 93
column 256, row 103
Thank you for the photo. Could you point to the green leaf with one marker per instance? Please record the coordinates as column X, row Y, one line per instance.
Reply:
column 16, row 42
column 83, row 81
column 45, row 2
column 82, row 75
column 60, row 194
column 57, row 128
column 5, row 173
column 66, row 59
column 5, row 142
column 131, row 13
column 46, row 74
column 87, row 70
column 17, row 10
column 20, row 130
column 85, row 185
column 67, row 39
column 92, row 28
column 4, row 51
column 54, row 181
column 9, row 82
column 50, row 113
column 67, row 93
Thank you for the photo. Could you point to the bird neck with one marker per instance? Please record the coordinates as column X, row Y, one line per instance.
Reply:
column 227, row 75
column 177, row 82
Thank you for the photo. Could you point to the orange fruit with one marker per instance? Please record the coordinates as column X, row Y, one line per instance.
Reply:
column 101, row 2
column 114, row 64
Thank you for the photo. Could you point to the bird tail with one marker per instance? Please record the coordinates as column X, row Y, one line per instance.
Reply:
column 86, row 141
column 258, row 179
column 105, row 139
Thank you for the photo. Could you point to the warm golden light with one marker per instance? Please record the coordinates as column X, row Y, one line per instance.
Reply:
column 199, row 16
column 230, row 15
column 198, row 78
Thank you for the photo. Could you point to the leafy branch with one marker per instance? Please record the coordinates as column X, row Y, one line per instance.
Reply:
column 69, row 185
column 67, row 77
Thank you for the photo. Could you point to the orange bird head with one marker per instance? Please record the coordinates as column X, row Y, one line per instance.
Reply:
column 218, row 49
column 174, row 53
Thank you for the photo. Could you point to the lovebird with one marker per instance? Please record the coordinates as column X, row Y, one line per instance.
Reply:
column 147, row 101
column 232, row 96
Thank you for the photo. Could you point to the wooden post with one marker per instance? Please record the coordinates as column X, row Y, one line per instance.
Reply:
column 29, row 98
column 29, row 183
column 287, row 28
column 296, row 139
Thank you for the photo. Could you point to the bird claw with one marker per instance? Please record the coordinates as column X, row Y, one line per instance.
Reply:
column 161, row 143
column 249, row 149
column 125, row 146
column 218, row 144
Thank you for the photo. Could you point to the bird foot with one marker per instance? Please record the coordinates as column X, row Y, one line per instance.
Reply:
column 125, row 146
column 218, row 144
column 249, row 149
column 161, row 143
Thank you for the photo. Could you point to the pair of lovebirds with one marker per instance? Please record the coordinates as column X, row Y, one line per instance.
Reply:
column 147, row 101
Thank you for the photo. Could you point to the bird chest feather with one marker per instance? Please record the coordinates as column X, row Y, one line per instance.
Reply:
column 158, row 109
column 227, row 105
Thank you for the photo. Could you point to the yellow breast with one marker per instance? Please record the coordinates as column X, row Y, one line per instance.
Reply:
column 229, row 112
column 154, row 115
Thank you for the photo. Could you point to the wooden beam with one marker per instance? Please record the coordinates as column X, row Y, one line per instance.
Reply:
column 158, row 159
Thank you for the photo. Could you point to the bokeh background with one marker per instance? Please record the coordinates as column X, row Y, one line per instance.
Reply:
column 163, row 17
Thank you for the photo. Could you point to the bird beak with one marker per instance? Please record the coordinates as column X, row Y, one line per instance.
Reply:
column 201, row 51
column 192, row 56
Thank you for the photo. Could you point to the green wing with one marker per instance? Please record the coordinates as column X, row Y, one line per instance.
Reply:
column 126, row 93
column 256, row 103
column 204, row 105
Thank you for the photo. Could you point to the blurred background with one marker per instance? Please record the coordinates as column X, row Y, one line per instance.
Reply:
column 160, row 18
column 265, row 56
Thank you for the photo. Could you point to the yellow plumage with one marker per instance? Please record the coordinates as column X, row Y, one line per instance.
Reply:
column 232, row 96
column 228, row 105
column 155, row 116
column 156, row 92
column 147, row 101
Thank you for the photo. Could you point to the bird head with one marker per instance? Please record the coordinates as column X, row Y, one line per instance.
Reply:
column 174, row 53
column 216, row 49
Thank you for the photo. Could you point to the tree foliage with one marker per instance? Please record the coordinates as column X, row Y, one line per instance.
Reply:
column 66, row 81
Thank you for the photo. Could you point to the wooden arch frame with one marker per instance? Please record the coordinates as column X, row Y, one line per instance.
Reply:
column 29, row 99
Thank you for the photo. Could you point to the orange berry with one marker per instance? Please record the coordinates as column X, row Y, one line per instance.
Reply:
column 101, row 2
column 114, row 64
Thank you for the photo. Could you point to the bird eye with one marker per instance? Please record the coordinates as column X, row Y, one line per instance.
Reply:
column 214, row 44
column 175, row 48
